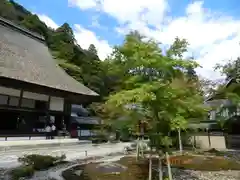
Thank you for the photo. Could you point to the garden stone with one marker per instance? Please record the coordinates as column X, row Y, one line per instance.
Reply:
column 110, row 167
column 78, row 172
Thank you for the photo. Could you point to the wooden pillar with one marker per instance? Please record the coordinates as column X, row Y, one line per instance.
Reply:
column 20, row 98
column 8, row 100
column 209, row 138
column 67, row 113
column 48, row 109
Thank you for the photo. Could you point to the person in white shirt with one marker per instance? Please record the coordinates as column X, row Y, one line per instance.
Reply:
column 53, row 128
column 48, row 131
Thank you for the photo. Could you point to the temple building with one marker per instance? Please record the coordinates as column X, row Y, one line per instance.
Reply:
column 231, row 112
column 33, row 88
column 83, row 124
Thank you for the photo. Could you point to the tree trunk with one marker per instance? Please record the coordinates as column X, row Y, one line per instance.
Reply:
column 150, row 166
column 225, row 135
column 160, row 169
column 180, row 141
column 194, row 143
column 169, row 167
column 209, row 139
column 137, row 149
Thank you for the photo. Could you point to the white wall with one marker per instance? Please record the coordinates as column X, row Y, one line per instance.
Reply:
column 26, row 94
column 56, row 103
column 28, row 103
column 35, row 96
column 217, row 142
column 10, row 91
column 3, row 100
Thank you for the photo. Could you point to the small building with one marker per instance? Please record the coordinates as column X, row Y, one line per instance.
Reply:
column 83, row 124
column 33, row 88
column 231, row 112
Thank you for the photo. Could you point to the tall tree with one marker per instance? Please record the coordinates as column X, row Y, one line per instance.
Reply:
column 152, row 83
column 230, row 69
column 93, row 50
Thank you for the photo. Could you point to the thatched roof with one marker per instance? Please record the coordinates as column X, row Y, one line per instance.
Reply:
column 25, row 57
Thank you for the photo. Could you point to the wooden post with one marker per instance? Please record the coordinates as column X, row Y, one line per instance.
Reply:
column 209, row 138
column 160, row 172
column 137, row 148
column 8, row 100
column 20, row 98
column 48, row 109
column 169, row 167
column 142, row 147
column 180, row 141
column 150, row 166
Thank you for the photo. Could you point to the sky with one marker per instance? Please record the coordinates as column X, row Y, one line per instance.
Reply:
column 211, row 27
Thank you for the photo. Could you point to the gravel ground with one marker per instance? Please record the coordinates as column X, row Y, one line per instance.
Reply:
column 55, row 172
column 235, row 155
column 205, row 175
column 210, row 175
column 2, row 174
column 177, row 173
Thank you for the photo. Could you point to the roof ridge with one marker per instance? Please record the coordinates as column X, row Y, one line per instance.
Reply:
column 21, row 29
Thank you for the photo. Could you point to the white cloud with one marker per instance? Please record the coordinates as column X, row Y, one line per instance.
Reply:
column 125, row 11
column 48, row 21
column 84, row 37
column 213, row 36
column 83, row 4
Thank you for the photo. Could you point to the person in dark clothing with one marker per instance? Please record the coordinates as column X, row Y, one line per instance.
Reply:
column 48, row 131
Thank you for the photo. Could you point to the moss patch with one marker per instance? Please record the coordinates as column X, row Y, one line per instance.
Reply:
column 134, row 171
column 22, row 171
column 204, row 163
column 138, row 170
column 35, row 162
column 41, row 162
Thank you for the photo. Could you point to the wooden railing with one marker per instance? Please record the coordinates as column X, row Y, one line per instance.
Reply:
column 87, row 120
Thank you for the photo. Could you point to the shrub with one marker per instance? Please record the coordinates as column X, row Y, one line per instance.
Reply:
column 22, row 171
column 100, row 139
column 125, row 139
column 40, row 162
